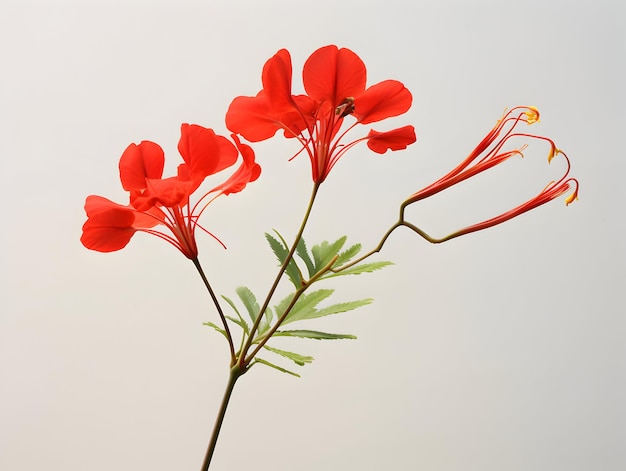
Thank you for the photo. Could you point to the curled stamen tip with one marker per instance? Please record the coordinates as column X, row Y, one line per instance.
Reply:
column 532, row 115
column 554, row 151
column 571, row 198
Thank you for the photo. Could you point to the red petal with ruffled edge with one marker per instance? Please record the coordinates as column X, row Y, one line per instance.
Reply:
column 139, row 162
column 396, row 139
column 332, row 74
column 204, row 152
column 109, row 226
column 383, row 100
column 247, row 172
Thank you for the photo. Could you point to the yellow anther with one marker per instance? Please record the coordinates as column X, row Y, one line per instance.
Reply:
column 573, row 197
column 554, row 151
column 532, row 115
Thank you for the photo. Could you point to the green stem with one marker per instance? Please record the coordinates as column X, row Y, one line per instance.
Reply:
column 235, row 372
column 229, row 336
column 294, row 300
column 255, row 326
column 401, row 222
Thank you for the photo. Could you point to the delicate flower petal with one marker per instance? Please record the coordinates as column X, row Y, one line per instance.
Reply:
column 247, row 172
column 251, row 117
column 167, row 192
column 276, row 78
column 333, row 74
column 139, row 162
column 109, row 226
column 396, row 139
column 204, row 152
column 381, row 101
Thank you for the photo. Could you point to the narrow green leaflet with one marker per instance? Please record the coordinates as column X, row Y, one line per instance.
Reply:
column 295, row 357
column 347, row 255
column 240, row 322
column 324, row 252
column 305, row 305
column 283, row 370
column 308, row 309
column 302, row 252
column 265, row 323
column 281, row 250
column 249, row 301
column 219, row 329
column 312, row 334
column 358, row 269
column 341, row 307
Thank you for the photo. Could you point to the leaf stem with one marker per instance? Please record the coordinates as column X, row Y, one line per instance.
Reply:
column 229, row 336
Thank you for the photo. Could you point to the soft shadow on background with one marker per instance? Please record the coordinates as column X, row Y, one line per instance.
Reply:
column 501, row 350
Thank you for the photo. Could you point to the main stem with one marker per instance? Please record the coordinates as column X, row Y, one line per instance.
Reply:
column 243, row 360
column 235, row 372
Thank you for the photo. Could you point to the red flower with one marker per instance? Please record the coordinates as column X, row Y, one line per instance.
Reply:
column 334, row 80
column 161, row 201
column 489, row 153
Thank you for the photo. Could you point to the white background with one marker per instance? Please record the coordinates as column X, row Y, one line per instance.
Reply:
column 502, row 350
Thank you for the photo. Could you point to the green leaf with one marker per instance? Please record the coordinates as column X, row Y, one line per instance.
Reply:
column 295, row 357
column 303, row 253
column 334, row 309
column 281, row 251
column 283, row 370
column 306, row 305
column 358, row 269
column 324, row 252
column 265, row 323
column 249, row 301
column 241, row 322
column 311, row 334
column 343, row 307
column 219, row 329
column 347, row 255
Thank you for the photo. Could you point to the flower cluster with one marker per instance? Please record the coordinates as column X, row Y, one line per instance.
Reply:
column 334, row 80
column 335, row 83
column 157, row 201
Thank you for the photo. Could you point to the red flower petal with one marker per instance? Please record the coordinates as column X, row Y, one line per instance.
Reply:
column 276, row 78
column 251, row 117
column 396, row 139
column 247, row 172
column 109, row 226
column 139, row 162
column 332, row 74
column 204, row 152
column 383, row 100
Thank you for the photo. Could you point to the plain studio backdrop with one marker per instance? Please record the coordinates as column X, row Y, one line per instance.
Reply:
column 502, row 350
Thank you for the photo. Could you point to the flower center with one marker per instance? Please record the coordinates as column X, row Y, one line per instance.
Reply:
column 345, row 108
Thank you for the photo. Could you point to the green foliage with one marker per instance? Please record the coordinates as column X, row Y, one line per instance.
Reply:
column 281, row 250
column 240, row 321
column 318, row 258
column 311, row 334
column 358, row 269
column 306, row 307
column 283, row 370
column 249, row 301
column 295, row 357
column 321, row 262
column 219, row 329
